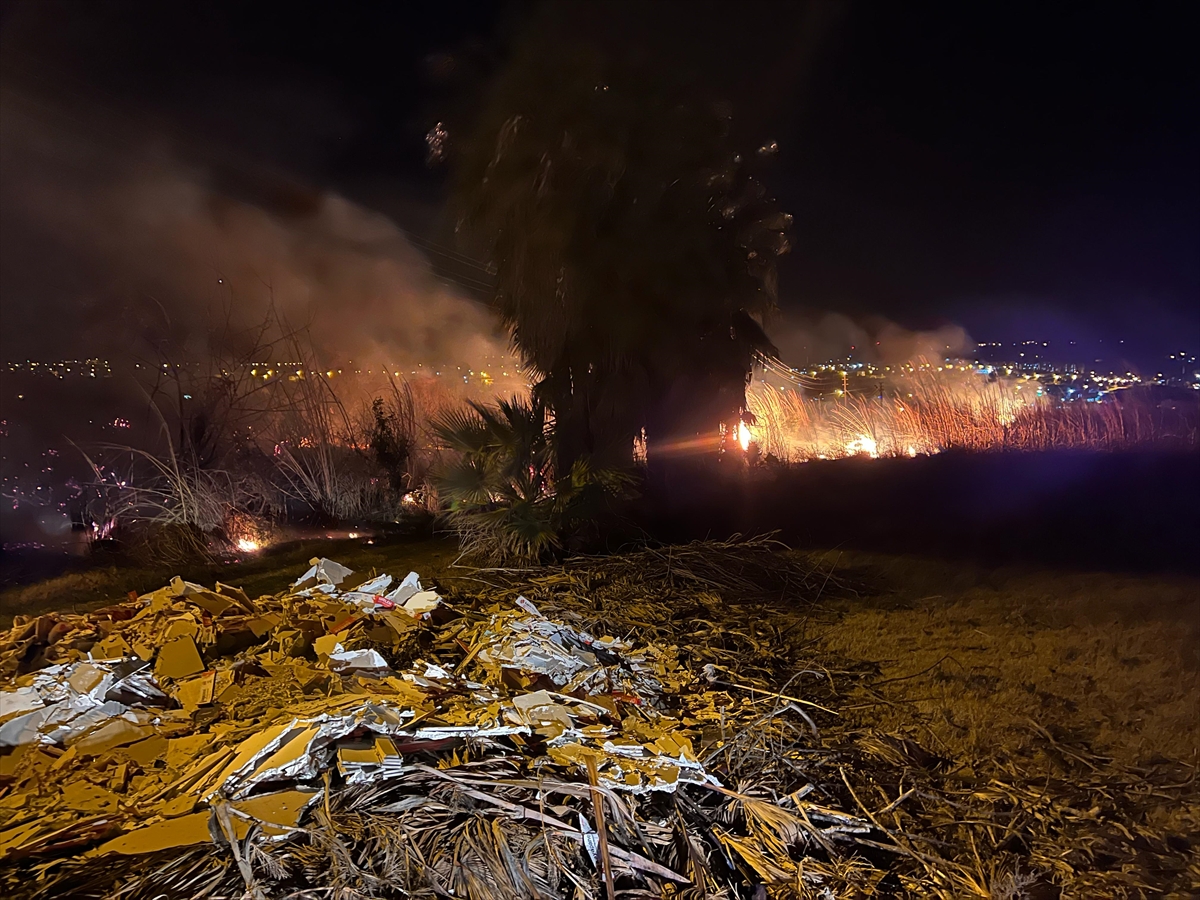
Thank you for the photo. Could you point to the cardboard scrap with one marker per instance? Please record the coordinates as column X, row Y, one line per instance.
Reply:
column 313, row 684
column 196, row 691
column 116, row 732
column 112, row 647
column 407, row 588
column 363, row 761
column 341, row 660
column 23, row 699
column 323, row 571
column 145, row 752
column 184, row 831
column 420, row 603
column 178, row 658
column 277, row 812
column 182, row 750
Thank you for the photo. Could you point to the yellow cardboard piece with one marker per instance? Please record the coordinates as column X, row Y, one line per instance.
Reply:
column 112, row 734
column 282, row 808
column 14, row 801
column 144, row 753
column 9, row 761
column 214, row 604
column 400, row 622
column 293, row 747
column 184, row 831
column 86, row 797
column 385, row 747
column 65, row 760
column 236, row 594
column 160, row 600
column 85, row 677
column 180, row 806
column 203, row 774
column 421, row 603
column 222, row 683
column 184, row 626
column 197, row 691
column 182, row 750
column 261, row 625
column 19, row 835
column 326, row 645
column 576, row 755
column 308, row 677
column 251, row 747
column 363, row 754
column 178, row 659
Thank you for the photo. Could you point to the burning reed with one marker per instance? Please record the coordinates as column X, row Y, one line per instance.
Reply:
column 933, row 413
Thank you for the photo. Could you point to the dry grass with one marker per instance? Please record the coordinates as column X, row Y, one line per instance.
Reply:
column 1065, row 703
column 1108, row 658
column 929, row 413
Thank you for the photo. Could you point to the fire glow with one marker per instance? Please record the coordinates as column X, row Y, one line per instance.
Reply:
column 863, row 445
column 934, row 412
column 743, row 436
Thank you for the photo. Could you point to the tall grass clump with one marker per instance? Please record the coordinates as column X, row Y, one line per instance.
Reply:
column 241, row 445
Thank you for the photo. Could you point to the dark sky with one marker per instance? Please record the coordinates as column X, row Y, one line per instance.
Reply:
column 1025, row 170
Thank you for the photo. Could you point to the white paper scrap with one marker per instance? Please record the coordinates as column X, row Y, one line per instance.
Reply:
column 356, row 660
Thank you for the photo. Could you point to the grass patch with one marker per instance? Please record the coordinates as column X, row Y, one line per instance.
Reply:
column 981, row 654
column 267, row 573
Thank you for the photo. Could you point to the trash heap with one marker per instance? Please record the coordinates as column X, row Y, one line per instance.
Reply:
column 380, row 740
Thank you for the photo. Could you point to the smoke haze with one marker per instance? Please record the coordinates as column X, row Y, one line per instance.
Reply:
column 817, row 337
column 119, row 240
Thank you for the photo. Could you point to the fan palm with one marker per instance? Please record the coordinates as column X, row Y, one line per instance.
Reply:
column 635, row 251
column 500, row 490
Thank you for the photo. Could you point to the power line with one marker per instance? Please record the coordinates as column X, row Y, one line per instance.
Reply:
column 455, row 260
column 447, row 251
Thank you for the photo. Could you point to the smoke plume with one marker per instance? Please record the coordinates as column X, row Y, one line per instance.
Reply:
column 819, row 337
column 120, row 240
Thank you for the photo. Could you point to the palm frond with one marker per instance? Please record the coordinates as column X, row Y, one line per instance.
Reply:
column 461, row 429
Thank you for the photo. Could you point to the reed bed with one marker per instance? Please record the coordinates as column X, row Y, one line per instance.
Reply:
column 932, row 415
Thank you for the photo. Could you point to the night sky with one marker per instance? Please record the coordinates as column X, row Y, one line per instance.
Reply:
column 1024, row 170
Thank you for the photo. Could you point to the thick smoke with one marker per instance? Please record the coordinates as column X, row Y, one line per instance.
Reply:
column 118, row 239
column 817, row 338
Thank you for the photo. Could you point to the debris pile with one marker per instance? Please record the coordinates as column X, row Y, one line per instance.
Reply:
column 195, row 742
column 659, row 723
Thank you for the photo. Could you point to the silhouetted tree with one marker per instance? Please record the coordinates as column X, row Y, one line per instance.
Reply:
column 634, row 247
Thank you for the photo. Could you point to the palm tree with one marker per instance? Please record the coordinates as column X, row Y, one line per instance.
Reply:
column 500, row 489
column 635, row 250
